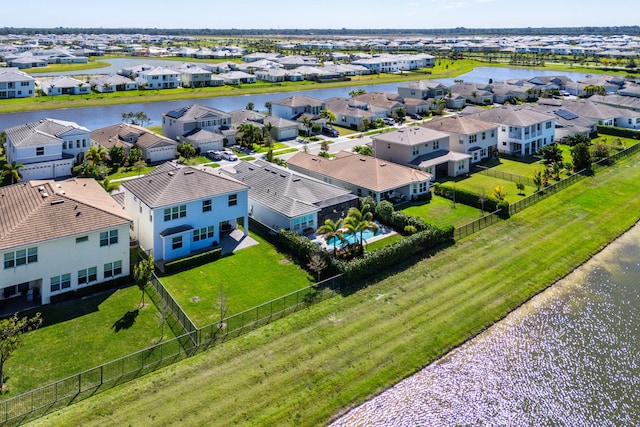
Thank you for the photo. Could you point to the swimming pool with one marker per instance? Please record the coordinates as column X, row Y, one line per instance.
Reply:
column 353, row 238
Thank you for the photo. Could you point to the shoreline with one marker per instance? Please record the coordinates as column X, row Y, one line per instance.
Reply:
column 335, row 421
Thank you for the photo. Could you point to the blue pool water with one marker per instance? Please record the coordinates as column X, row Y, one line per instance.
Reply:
column 351, row 238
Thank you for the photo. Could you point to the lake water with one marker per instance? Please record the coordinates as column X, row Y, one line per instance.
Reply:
column 97, row 117
column 569, row 357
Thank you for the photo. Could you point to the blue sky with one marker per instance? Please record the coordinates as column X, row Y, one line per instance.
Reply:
column 355, row 14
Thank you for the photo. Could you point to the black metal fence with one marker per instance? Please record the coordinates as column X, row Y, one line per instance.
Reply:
column 475, row 225
column 507, row 176
column 172, row 305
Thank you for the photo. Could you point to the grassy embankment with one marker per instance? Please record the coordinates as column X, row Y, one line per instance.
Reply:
column 310, row 366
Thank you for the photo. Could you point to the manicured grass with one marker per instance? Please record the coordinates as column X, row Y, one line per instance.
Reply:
column 276, row 146
column 250, row 277
column 80, row 334
column 309, row 367
column 479, row 183
column 58, row 68
column 442, row 212
column 525, row 167
column 285, row 151
column 127, row 172
column 377, row 244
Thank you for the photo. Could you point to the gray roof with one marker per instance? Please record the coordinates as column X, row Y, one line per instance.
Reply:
column 196, row 112
column 286, row 192
column 410, row 136
column 299, row 101
column 41, row 132
column 171, row 185
column 512, row 116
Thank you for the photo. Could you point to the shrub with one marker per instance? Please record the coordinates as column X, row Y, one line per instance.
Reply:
column 182, row 264
column 472, row 199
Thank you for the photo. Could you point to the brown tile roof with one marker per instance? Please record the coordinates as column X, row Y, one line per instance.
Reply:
column 364, row 171
column 461, row 125
column 171, row 185
column 117, row 135
column 412, row 135
column 37, row 211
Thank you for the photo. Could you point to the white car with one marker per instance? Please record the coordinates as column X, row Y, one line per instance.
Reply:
column 228, row 155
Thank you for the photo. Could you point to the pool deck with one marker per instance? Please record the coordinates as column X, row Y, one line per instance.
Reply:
column 319, row 240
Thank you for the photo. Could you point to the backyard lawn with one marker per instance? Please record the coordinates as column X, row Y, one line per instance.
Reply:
column 80, row 334
column 478, row 183
column 442, row 212
column 249, row 277
column 128, row 172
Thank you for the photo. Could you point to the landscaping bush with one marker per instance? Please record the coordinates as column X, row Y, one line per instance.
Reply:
column 398, row 220
column 617, row 131
column 182, row 264
column 299, row 247
column 472, row 199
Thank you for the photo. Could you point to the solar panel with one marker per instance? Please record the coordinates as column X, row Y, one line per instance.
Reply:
column 566, row 114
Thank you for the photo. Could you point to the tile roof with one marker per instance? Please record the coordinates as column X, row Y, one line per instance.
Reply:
column 299, row 101
column 287, row 192
column 196, row 112
column 171, row 185
column 363, row 171
column 512, row 116
column 110, row 135
column 461, row 125
column 41, row 132
column 412, row 135
column 38, row 211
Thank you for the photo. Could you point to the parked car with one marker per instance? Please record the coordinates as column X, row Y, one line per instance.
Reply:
column 389, row 121
column 329, row 131
column 214, row 155
column 228, row 155
column 415, row 116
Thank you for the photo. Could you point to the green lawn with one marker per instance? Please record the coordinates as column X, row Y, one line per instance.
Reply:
column 249, row 277
column 479, row 183
column 80, row 334
column 377, row 244
column 127, row 172
column 315, row 364
column 525, row 167
column 442, row 212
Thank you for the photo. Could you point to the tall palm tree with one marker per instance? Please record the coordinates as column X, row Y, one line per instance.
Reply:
column 329, row 115
column 12, row 170
column 249, row 134
column 358, row 221
column 308, row 124
column 268, row 106
column 332, row 230
column 96, row 154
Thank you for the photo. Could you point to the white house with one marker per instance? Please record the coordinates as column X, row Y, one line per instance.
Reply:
column 158, row 78
column 292, row 107
column 521, row 131
column 186, row 120
column 16, row 84
column 58, row 237
column 64, row 85
column 112, row 83
column 178, row 211
column 47, row 148
column 155, row 148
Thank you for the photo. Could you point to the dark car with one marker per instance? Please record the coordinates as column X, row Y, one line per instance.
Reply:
column 415, row 116
column 329, row 131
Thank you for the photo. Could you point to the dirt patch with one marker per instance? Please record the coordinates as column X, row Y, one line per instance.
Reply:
column 194, row 299
column 285, row 261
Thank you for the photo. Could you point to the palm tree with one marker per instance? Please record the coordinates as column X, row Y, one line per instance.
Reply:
column 267, row 139
column 329, row 115
column 249, row 134
column 332, row 230
column 12, row 170
column 358, row 221
column 268, row 106
column 96, row 154
column 109, row 186
column 308, row 124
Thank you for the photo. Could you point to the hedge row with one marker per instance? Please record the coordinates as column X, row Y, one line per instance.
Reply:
column 182, row 264
column 620, row 132
column 389, row 256
column 472, row 199
column 398, row 220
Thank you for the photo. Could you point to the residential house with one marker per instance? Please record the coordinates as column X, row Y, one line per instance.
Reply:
column 178, row 211
column 474, row 93
column 352, row 113
column 47, row 148
column 292, row 107
column 64, row 85
column 16, row 84
column 421, row 148
column 567, row 123
column 58, row 237
column 280, row 129
column 475, row 137
column 192, row 76
column 158, row 78
column 606, row 115
column 25, row 61
column 281, row 198
column 364, row 175
column 521, row 131
column 112, row 83
column 237, row 77
column 155, row 148
column 389, row 102
column 423, row 89
column 186, row 120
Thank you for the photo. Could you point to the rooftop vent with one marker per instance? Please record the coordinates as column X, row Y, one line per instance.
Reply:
column 45, row 195
column 56, row 202
column 41, row 188
column 170, row 174
column 188, row 172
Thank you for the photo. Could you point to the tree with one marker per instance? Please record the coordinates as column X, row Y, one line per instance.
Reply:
column 363, row 150
column 308, row 124
column 499, row 192
column 317, row 264
column 142, row 273
column 268, row 106
column 581, row 157
column 520, row 187
column 12, row 170
column 600, row 152
column 135, row 155
column 576, row 139
column 399, row 113
column 364, row 124
column 116, row 156
column 139, row 166
column 551, row 154
column 358, row 221
column 355, row 92
column 186, row 150
column 332, row 230
column 96, row 155
column 11, row 333
column 328, row 115
column 250, row 106
column 249, row 134
column 222, row 305
column 139, row 118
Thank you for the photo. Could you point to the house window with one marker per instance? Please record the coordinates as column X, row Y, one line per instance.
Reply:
column 310, row 220
column 20, row 257
column 175, row 212
column 112, row 269
column 39, row 151
column 473, row 138
column 77, row 143
column 203, row 233
column 60, row 282
column 436, row 145
column 109, row 238
column 233, row 199
column 87, row 275
column 64, row 145
column 416, row 150
column 82, row 239
column 461, row 140
column 504, row 128
column 176, row 243
column 460, row 165
column 296, row 223
column 493, row 133
column 206, row 205
column 484, row 135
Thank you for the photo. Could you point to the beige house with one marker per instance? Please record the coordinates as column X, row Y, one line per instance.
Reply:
column 467, row 135
column 155, row 148
column 421, row 148
column 364, row 175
